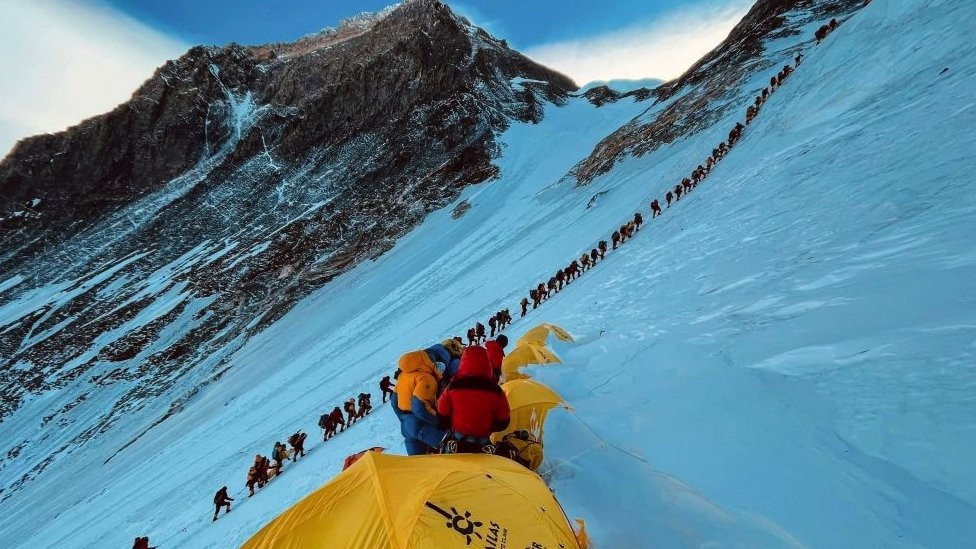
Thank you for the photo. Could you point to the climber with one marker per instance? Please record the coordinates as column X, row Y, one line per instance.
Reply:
column 479, row 330
column 254, row 475
column 655, row 208
column 280, row 455
column 297, row 443
column 638, row 221
column 446, row 356
column 507, row 318
column 324, row 425
column 560, row 279
column 574, row 270
column 822, row 33
column 798, row 59
column 735, row 133
column 385, row 387
column 602, row 246
column 472, row 337
column 338, row 419
column 534, row 294
column 615, row 237
column 677, row 191
column 543, row 294
column 594, row 255
column 350, row 408
column 221, row 499
column 525, row 305
column 669, row 197
column 772, row 83
column 584, row 261
column 142, row 543
column 252, row 479
column 365, row 406
column 415, row 400
column 473, row 406
column 263, row 474
column 750, row 114
column 496, row 354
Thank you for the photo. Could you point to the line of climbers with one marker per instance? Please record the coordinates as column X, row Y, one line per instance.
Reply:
column 447, row 397
column 564, row 276
column 496, row 323
column 331, row 421
column 825, row 30
column 263, row 469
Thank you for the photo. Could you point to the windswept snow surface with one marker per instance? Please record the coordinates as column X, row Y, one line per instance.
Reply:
column 785, row 358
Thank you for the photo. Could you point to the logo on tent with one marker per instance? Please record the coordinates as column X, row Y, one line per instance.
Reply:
column 462, row 524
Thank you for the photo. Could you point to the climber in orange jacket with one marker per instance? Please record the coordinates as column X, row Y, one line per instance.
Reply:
column 415, row 400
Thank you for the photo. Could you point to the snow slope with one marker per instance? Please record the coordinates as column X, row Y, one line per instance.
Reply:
column 784, row 359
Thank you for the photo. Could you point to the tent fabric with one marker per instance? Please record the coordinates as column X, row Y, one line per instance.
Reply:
column 539, row 334
column 384, row 501
column 529, row 401
column 347, row 463
column 526, row 354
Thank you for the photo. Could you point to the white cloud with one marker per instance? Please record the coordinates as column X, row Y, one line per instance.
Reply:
column 64, row 61
column 662, row 48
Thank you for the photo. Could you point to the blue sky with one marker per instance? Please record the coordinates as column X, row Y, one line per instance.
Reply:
column 69, row 60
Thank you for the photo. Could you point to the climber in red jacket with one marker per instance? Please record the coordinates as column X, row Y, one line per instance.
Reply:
column 473, row 406
column 496, row 354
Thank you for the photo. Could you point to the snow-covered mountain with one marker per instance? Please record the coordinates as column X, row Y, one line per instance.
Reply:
column 783, row 359
column 143, row 247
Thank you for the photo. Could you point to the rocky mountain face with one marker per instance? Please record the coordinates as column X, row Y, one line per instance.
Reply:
column 702, row 95
column 142, row 247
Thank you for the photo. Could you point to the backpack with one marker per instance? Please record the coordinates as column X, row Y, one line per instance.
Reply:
column 521, row 447
column 324, row 421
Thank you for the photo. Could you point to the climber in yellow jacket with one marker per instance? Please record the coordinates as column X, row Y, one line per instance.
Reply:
column 415, row 402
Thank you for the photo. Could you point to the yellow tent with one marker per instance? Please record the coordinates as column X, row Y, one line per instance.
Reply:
column 386, row 501
column 524, row 354
column 530, row 401
column 538, row 335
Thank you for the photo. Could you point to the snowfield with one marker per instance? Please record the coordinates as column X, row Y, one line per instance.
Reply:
column 786, row 358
